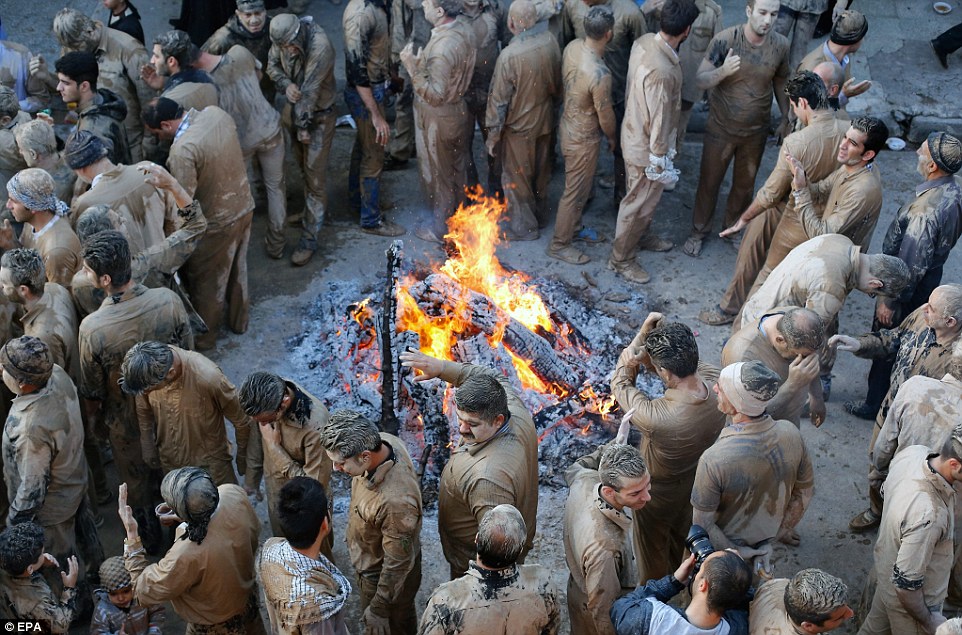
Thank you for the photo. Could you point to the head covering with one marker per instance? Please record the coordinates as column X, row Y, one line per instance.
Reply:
column 35, row 189
column 749, row 386
column 113, row 574
column 284, row 28
column 850, row 28
column 9, row 103
column 946, row 151
column 192, row 495
column 250, row 5
column 27, row 359
column 83, row 148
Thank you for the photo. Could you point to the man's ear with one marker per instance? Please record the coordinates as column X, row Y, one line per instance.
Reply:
column 869, row 155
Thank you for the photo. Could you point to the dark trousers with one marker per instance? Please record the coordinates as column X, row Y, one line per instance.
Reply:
column 950, row 41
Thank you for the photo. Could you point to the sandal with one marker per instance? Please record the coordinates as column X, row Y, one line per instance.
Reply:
column 692, row 246
column 569, row 254
column 716, row 317
column 864, row 521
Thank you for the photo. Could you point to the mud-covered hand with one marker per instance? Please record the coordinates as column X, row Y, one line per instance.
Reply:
column 816, row 411
column 734, row 229
column 374, row 624
column 844, row 343
column 625, row 427
column 731, row 64
column 270, row 434
column 425, row 366
column 8, row 239
column 150, row 77
column 799, row 178
column 126, row 514
column 293, row 93
column 883, row 312
column 69, row 577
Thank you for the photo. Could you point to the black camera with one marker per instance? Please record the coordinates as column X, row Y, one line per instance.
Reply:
column 699, row 544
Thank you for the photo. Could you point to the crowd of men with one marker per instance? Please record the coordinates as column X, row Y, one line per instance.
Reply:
column 125, row 250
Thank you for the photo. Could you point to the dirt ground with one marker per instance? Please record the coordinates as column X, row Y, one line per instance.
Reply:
column 680, row 287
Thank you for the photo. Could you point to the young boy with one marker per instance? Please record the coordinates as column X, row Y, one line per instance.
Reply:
column 117, row 611
column 23, row 588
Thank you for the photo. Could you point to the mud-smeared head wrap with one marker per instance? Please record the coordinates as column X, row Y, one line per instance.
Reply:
column 749, row 386
column 35, row 189
column 284, row 28
column 113, row 574
column 850, row 28
column 192, row 495
column 27, row 359
column 946, row 151
column 83, row 148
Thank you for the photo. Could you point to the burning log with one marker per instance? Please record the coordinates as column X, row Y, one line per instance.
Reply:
column 389, row 421
column 444, row 294
column 429, row 400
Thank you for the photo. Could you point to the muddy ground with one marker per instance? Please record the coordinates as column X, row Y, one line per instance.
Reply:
column 680, row 287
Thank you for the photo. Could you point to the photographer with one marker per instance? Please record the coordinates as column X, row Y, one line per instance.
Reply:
column 720, row 591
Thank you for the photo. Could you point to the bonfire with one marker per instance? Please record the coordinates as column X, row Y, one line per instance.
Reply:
column 556, row 351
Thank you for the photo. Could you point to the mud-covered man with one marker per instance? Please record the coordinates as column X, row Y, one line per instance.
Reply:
column 384, row 524
column 497, row 596
column 496, row 461
column 754, row 484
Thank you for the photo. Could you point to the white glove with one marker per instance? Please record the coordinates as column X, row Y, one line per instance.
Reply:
column 661, row 170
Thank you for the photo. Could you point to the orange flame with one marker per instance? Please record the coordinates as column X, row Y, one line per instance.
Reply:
column 474, row 233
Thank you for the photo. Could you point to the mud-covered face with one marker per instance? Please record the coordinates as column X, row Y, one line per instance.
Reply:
column 634, row 493
column 761, row 17
column 474, row 429
column 356, row 465
column 10, row 290
column 253, row 21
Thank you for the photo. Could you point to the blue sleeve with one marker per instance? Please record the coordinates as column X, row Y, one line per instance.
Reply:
column 631, row 614
column 738, row 621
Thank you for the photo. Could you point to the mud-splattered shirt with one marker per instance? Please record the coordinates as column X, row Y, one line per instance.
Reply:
column 818, row 275
column 43, row 461
column 481, row 476
column 32, row 598
column 185, row 418
column 653, row 103
column 11, row 161
column 629, row 26
column 311, row 69
column 750, row 343
column 53, row 320
column 588, row 112
column 241, row 97
column 367, row 42
column 489, row 24
column 384, row 525
column 598, row 546
column 525, row 87
column 767, row 614
column 925, row 230
column 446, row 65
column 207, row 161
column 741, row 104
column 924, row 412
column 259, row 44
column 119, row 60
column 105, row 118
column 692, row 50
column 152, row 212
column 300, row 452
column 107, row 334
column 676, row 428
column 59, row 248
column 842, row 203
column 913, row 346
column 914, row 549
column 209, row 582
column 519, row 600
column 31, row 90
column 815, row 146
column 749, row 476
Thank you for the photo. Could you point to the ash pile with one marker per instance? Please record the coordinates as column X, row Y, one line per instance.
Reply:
column 554, row 343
